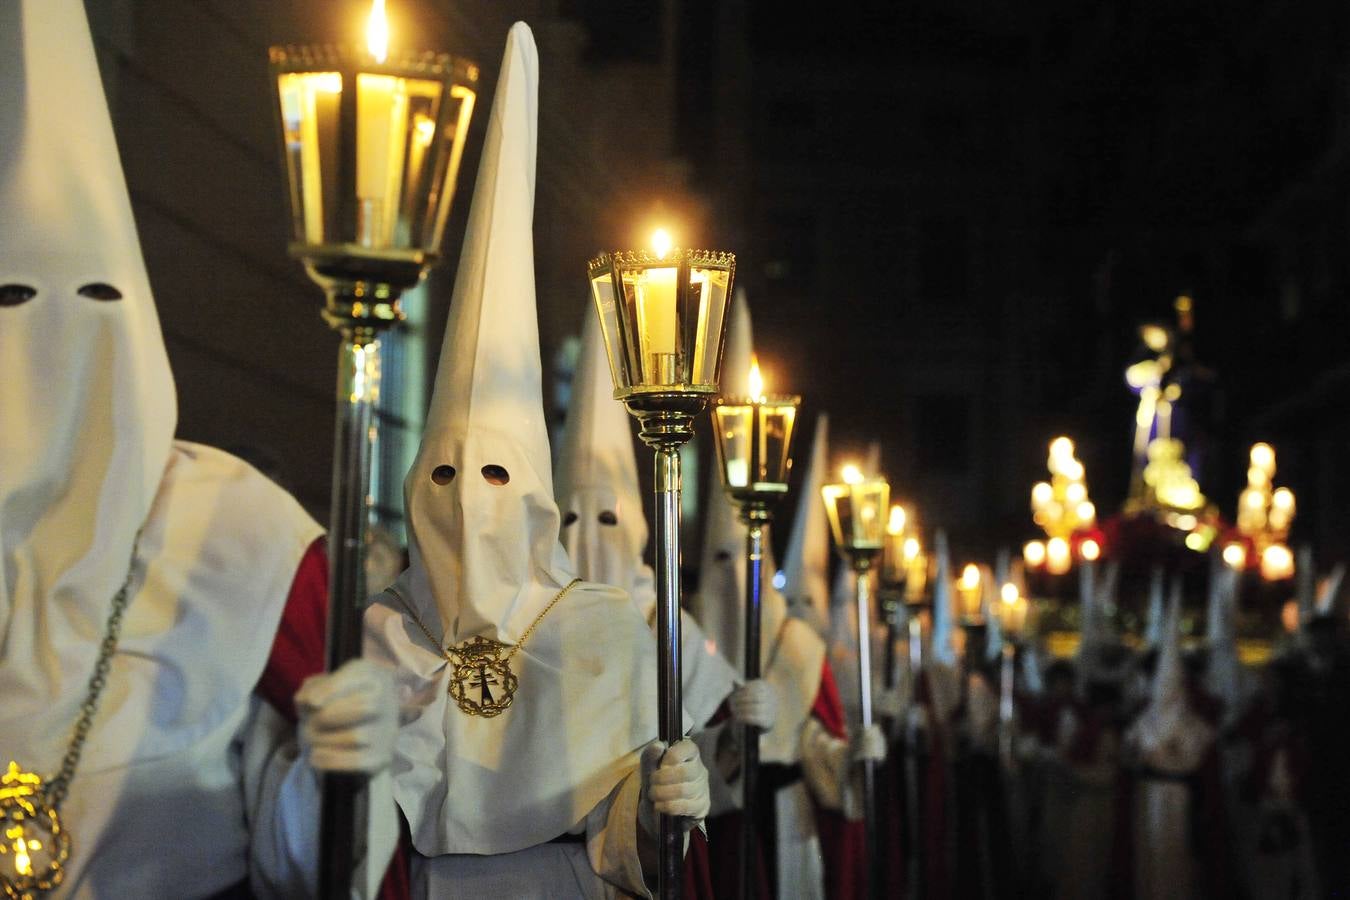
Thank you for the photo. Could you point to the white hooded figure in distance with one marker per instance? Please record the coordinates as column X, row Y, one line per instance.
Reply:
column 809, row 727
column 604, row 530
column 188, row 783
column 1172, row 745
column 806, row 565
column 525, row 763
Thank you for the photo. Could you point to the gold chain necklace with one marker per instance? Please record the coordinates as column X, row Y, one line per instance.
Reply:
column 34, row 844
column 478, row 664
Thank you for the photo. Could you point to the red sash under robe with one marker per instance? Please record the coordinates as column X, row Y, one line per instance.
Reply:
column 297, row 653
column 842, row 843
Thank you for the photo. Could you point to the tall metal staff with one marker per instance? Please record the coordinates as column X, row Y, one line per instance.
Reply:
column 371, row 147
column 754, row 449
column 857, row 512
column 664, row 316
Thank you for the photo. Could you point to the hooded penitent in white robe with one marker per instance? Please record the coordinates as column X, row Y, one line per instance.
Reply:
column 1170, row 741
column 792, row 660
column 485, row 798
column 806, row 567
column 604, row 529
column 188, row 784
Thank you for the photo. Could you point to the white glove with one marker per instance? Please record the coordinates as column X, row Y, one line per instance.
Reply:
column 889, row 702
column 869, row 743
column 674, row 783
column 754, row 703
column 349, row 718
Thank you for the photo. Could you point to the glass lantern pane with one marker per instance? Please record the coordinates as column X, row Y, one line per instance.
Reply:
column 835, row 497
column 454, row 134
column 650, row 297
column 870, row 501
column 775, row 435
column 411, row 195
column 602, row 286
column 733, row 440
column 310, row 113
column 708, row 292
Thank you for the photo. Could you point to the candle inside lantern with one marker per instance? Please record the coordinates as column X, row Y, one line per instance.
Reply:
column 1013, row 610
column 656, row 297
column 972, row 594
column 381, row 110
column 895, row 566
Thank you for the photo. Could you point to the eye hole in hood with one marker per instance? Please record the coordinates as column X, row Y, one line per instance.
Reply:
column 607, row 517
column 16, row 294
column 98, row 290
column 443, row 474
column 570, row 519
column 496, row 474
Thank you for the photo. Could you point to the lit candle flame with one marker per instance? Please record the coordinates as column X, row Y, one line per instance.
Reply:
column 1034, row 553
column 852, row 474
column 970, row 577
column 1263, row 457
column 1061, row 448
column 911, row 549
column 661, row 243
column 1090, row 550
column 1235, row 555
column 1009, row 593
column 377, row 32
column 756, row 380
column 896, row 523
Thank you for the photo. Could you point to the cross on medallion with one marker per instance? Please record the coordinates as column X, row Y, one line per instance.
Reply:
column 485, row 679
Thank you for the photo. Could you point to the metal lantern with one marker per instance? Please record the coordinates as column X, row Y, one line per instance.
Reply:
column 371, row 145
column 754, row 453
column 664, row 316
column 857, row 510
column 372, row 149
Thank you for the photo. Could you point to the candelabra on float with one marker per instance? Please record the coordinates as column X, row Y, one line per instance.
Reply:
column 371, row 146
column 857, row 512
column 1264, row 516
column 754, row 453
column 664, row 317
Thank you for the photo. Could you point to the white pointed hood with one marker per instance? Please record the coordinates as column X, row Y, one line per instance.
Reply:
column 486, row 561
column 87, row 459
column 603, row 526
column 1156, row 625
column 89, row 429
column 806, row 568
column 1329, row 591
column 1224, row 674
column 1169, row 735
column 791, row 653
column 944, row 616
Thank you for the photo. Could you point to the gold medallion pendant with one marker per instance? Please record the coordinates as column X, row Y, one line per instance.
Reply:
column 482, row 682
column 33, row 845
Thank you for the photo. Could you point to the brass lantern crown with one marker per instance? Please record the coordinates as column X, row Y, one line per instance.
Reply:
column 372, row 148
column 857, row 510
